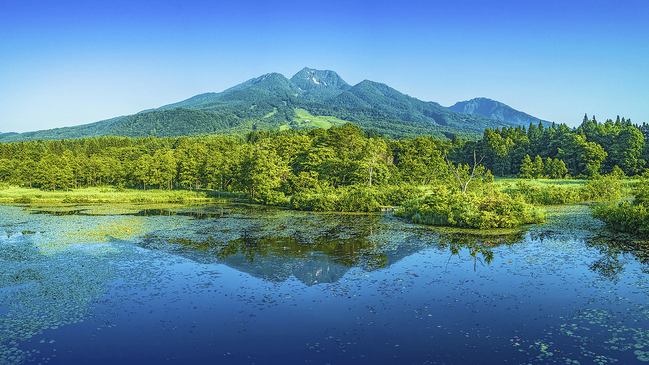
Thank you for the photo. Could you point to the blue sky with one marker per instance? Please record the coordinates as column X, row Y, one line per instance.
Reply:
column 65, row 63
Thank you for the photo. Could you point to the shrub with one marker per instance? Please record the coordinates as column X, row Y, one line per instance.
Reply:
column 623, row 217
column 397, row 194
column 77, row 200
column 555, row 194
column 272, row 197
column 641, row 191
column 316, row 201
column 24, row 199
column 492, row 210
column 175, row 198
column 603, row 189
column 626, row 216
column 358, row 199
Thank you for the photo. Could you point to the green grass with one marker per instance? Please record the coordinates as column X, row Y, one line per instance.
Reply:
column 271, row 113
column 304, row 119
column 96, row 195
column 505, row 183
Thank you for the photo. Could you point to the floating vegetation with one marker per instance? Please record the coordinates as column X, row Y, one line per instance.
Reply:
column 265, row 285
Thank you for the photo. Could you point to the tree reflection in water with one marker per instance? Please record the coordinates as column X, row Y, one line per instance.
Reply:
column 479, row 246
column 611, row 248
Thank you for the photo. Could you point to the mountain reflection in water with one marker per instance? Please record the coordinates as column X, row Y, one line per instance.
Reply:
column 317, row 248
column 138, row 285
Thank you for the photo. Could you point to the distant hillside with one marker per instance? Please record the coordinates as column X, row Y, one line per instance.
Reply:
column 403, row 107
column 272, row 101
column 494, row 110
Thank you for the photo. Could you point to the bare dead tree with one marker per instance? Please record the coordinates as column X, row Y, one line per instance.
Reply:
column 456, row 171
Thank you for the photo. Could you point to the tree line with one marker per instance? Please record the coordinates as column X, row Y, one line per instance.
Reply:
column 259, row 164
column 589, row 150
column 266, row 164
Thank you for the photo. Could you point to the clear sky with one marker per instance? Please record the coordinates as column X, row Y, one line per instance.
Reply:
column 65, row 63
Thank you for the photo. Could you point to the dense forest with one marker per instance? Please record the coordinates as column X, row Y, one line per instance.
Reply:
column 589, row 150
column 340, row 156
column 343, row 168
column 260, row 162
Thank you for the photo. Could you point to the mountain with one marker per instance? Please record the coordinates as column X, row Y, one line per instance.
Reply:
column 494, row 110
column 317, row 85
column 403, row 107
column 311, row 98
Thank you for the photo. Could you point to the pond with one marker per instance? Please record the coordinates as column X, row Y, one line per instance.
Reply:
column 237, row 284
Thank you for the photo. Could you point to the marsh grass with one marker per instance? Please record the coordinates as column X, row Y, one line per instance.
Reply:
column 100, row 195
column 565, row 191
column 508, row 182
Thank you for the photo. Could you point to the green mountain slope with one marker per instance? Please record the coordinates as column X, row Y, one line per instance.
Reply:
column 101, row 128
column 272, row 101
column 403, row 107
column 495, row 110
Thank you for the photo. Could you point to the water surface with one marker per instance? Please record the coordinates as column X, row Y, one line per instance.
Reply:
column 255, row 285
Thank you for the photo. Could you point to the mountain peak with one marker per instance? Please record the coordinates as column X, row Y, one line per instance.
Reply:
column 272, row 101
column 318, row 85
column 312, row 78
column 493, row 109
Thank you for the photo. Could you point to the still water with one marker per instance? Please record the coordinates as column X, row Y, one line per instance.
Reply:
column 255, row 285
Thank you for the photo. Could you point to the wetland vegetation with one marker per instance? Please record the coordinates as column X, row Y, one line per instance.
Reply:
column 340, row 169
column 154, row 250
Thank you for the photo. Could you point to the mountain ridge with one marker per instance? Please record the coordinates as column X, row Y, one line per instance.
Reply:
column 493, row 109
column 272, row 101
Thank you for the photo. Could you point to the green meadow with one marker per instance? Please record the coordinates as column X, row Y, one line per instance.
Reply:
column 100, row 195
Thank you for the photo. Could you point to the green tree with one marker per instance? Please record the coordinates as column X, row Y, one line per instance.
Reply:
column 527, row 168
column 537, row 167
column 261, row 170
column 54, row 172
column 143, row 170
column 375, row 154
column 6, row 169
column 26, row 168
column 559, row 169
column 627, row 150
column 167, row 167
column 592, row 156
column 192, row 164
column 421, row 160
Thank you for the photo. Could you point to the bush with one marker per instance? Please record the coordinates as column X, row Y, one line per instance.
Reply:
column 78, row 200
column 641, row 191
column 604, row 189
column 493, row 210
column 316, row 201
column 272, row 197
column 358, row 199
column 547, row 195
column 441, row 208
column 626, row 216
column 623, row 217
column 24, row 199
column 398, row 194
column 351, row 199
column 175, row 198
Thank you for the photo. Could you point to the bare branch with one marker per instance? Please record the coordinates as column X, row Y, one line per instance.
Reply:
column 456, row 171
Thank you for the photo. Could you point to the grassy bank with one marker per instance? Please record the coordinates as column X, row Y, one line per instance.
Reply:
column 504, row 183
column 563, row 191
column 95, row 195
